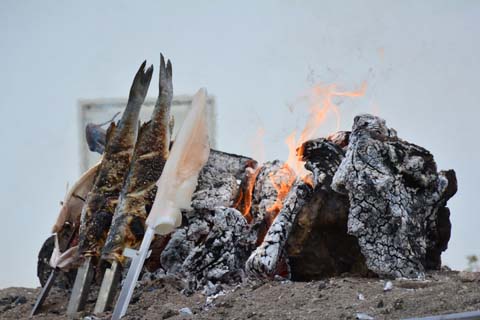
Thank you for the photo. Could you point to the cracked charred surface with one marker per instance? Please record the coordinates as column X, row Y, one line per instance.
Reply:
column 395, row 194
column 266, row 195
column 139, row 189
column 264, row 261
column 215, row 240
column 219, row 180
column 221, row 257
column 319, row 245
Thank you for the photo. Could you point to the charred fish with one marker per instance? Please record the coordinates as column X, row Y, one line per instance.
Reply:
column 138, row 192
column 102, row 200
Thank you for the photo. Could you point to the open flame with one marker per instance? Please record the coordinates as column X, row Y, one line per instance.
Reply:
column 321, row 104
column 320, row 99
column 282, row 181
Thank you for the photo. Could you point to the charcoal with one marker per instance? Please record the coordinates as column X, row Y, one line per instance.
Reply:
column 263, row 262
column 219, row 180
column 222, row 255
column 319, row 245
column 396, row 196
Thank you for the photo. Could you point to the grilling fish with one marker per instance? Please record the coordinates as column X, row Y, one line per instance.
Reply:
column 138, row 193
column 103, row 198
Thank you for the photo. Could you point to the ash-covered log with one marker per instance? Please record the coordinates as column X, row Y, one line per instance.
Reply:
column 273, row 182
column 219, row 180
column 264, row 261
column 221, row 257
column 215, row 239
column 395, row 194
column 319, row 245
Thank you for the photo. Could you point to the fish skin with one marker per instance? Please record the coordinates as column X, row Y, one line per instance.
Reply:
column 138, row 193
column 74, row 200
column 102, row 200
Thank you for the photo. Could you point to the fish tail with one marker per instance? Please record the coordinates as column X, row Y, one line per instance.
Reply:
column 138, row 92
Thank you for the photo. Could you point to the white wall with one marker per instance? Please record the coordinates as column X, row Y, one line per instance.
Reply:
column 419, row 59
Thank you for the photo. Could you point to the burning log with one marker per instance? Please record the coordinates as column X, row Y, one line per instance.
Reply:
column 395, row 195
column 273, row 182
column 220, row 179
column 264, row 261
column 319, row 245
column 221, row 256
column 220, row 172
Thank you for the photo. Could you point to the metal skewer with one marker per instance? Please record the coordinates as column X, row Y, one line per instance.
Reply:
column 81, row 287
column 49, row 284
column 132, row 276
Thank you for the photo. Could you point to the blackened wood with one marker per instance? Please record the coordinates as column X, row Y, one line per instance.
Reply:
column 319, row 245
column 263, row 262
column 219, row 180
column 221, row 257
column 395, row 192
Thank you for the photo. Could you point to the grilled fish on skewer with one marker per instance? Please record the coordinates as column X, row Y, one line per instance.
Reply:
column 103, row 198
column 101, row 201
column 138, row 192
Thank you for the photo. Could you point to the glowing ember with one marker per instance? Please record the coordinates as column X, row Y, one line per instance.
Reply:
column 244, row 200
column 282, row 182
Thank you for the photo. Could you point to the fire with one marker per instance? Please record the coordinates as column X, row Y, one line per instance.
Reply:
column 282, row 181
column 321, row 104
column 244, row 200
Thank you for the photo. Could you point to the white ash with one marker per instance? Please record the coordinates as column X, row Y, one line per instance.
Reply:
column 265, row 193
column 393, row 188
column 218, row 181
column 263, row 262
column 221, row 257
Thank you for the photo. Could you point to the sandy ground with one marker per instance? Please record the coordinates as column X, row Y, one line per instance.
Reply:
column 335, row 298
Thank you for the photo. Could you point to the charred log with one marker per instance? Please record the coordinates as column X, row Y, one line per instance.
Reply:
column 214, row 240
column 264, row 261
column 222, row 255
column 395, row 194
column 267, row 198
column 219, row 180
column 439, row 226
column 319, row 245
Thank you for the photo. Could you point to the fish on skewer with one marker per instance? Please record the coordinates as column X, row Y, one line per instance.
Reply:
column 175, row 187
column 139, row 189
column 138, row 193
column 102, row 200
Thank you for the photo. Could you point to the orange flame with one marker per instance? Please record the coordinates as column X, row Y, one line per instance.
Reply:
column 321, row 104
column 282, row 181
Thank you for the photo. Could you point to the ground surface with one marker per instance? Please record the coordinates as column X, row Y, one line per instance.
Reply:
column 336, row 298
